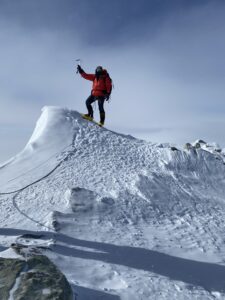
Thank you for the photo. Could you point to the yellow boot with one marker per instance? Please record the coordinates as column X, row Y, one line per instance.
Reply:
column 87, row 117
column 100, row 124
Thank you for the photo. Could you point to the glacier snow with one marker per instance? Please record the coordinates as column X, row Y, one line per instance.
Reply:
column 122, row 218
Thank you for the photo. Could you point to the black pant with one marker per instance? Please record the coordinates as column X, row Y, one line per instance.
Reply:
column 91, row 99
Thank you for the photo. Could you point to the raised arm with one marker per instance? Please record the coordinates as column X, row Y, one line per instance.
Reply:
column 90, row 77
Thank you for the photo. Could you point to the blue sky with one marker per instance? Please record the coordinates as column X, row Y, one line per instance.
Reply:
column 166, row 58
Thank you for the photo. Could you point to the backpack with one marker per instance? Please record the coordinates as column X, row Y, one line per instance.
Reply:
column 112, row 85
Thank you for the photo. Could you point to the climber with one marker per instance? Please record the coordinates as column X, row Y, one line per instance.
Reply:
column 101, row 90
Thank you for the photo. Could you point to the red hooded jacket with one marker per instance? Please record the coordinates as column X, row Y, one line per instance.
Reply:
column 101, row 86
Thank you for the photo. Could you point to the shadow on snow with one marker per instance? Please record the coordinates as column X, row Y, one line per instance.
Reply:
column 210, row 276
column 84, row 293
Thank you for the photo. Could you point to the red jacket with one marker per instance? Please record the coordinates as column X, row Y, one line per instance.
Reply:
column 101, row 86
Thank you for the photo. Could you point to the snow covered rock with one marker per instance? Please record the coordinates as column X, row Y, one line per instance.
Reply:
column 9, row 270
column 36, row 279
column 84, row 200
column 188, row 146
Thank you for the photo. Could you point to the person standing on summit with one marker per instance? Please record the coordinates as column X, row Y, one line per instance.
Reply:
column 101, row 90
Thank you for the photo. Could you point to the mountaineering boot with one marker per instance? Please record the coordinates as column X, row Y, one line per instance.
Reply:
column 87, row 117
column 102, row 119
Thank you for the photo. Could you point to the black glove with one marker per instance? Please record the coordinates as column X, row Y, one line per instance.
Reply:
column 107, row 96
column 79, row 69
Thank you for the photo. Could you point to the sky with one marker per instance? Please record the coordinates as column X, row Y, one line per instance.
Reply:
column 166, row 59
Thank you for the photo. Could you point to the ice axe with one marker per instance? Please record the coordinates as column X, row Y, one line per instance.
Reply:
column 78, row 61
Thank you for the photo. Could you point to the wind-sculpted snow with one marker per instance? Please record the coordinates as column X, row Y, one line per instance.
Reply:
column 53, row 136
column 110, row 190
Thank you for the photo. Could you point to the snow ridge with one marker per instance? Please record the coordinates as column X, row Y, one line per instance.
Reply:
column 112, row 198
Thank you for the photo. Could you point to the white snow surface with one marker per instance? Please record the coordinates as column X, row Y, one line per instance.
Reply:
column 124, row 218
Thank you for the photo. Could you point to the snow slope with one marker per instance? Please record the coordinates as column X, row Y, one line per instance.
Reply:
column 124, row 218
